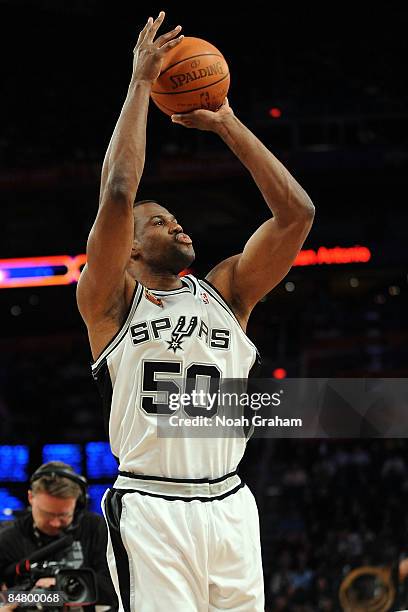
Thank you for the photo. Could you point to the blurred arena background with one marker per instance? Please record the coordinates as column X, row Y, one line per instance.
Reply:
column 326, row 91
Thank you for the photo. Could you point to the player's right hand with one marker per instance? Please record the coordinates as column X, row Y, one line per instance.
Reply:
column 148, row 53
column 203, row 119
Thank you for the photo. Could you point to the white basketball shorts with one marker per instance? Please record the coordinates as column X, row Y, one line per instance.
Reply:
column 184, row 545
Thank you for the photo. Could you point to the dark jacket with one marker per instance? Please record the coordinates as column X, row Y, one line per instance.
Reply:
column 18, row 541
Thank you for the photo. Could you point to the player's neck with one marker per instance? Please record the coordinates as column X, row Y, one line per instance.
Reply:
column 158, row 280
column 152, row 277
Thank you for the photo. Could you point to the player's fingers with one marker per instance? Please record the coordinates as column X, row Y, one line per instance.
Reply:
column 199, row 113
column 171, row 44
column 152, row 31
column 168, row 36
column 142, row 33
column 182, row 121
column 187, row 119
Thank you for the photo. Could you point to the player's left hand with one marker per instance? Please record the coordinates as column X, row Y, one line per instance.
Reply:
column 203, row 119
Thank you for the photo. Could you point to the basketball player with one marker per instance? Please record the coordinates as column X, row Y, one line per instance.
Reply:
column 184, row 529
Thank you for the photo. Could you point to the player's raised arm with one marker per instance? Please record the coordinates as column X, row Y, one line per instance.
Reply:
column 103, row 283
column 269, row 253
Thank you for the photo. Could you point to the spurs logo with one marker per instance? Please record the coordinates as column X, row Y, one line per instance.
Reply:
column 186, row 326
column 180, row 332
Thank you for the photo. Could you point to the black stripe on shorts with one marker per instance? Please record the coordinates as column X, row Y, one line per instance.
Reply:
column 179, row 480
column 184, row 499
column 113, row 513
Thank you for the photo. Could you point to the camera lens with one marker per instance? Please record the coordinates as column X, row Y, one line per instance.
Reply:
column 73, row 587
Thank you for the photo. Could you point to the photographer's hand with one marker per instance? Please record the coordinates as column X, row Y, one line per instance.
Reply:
column 7, row 607
column 46, row 583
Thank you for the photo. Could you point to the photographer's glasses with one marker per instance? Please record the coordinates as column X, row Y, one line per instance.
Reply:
column 62, row 516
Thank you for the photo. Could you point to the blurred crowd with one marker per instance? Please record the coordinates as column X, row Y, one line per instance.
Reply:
column 330, row 506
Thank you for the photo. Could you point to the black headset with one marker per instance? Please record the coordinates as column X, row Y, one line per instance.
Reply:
column 52, row 472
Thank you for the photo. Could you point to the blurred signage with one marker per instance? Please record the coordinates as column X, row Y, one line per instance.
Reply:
column 64, row 269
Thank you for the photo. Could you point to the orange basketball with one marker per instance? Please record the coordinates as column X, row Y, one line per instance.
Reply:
column 194, row 75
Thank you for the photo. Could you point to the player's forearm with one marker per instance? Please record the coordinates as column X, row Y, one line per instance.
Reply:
column 124, row 160
column 287, row 200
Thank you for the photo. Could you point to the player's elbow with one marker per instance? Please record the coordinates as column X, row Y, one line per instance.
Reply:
column 301, row 213
column 307, row 217
column 301, row 218
column 306, row 208
column 298, row 211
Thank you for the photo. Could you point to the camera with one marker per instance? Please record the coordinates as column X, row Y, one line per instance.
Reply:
column 77, row 586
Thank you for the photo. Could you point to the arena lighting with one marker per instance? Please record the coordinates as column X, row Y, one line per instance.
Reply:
column 14, row 462
column 68, row 453
column 100, row 463
column 38, row 271
column 279, row 373
column 64, row 269
column 275, row 112
column 185, row 272
column 95, row 494
column 77, row 263
column 336, row 255
column 8, row 503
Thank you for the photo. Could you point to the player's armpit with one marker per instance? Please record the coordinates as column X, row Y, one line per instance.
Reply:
column 266, row 259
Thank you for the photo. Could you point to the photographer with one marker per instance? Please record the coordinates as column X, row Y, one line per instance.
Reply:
column 57, row 497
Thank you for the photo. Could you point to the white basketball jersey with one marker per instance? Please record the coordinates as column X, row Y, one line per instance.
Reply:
column 176, row 339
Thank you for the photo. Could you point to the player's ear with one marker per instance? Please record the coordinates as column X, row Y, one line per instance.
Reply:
column 30, row 497
column 135, row 249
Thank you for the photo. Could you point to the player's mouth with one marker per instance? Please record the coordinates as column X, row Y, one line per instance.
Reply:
column 183, row 238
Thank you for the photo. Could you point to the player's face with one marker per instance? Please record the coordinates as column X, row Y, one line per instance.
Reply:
column 159, row 239
column 51, row 514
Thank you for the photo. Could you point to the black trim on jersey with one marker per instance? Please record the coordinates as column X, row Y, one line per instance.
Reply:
column 221, row 300
column 122, row 330
column 122, row 324
column 113, row 513
column 185, row 499
column 191, row 283
column 164, row 292
column 256, row 366
column 254, row 372
column 178, row 480
column 104, row 384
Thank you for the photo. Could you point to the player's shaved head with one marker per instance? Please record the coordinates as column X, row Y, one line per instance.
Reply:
column 137, row 210
column 140, row 202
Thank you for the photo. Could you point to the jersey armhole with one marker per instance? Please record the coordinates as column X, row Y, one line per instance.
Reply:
column 137, row 295
column 220, row 298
